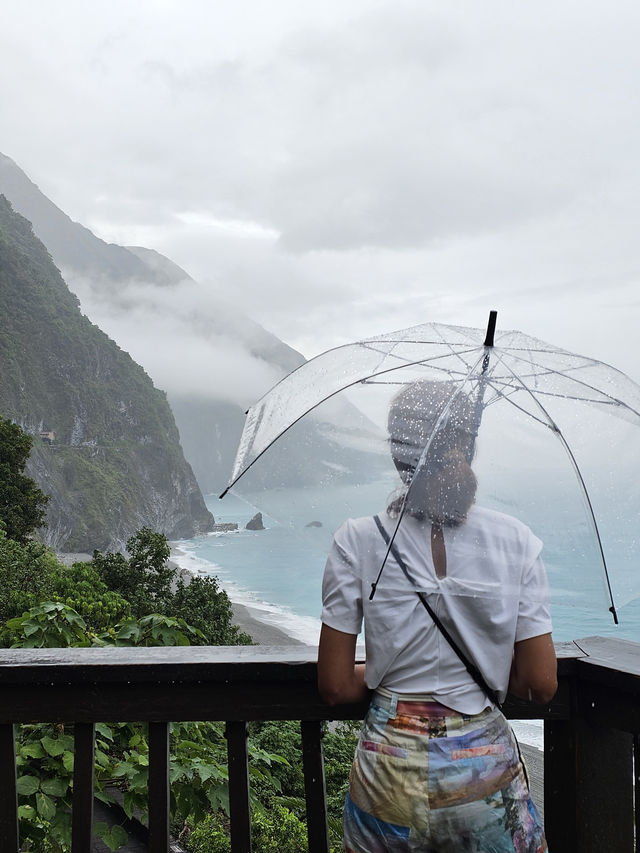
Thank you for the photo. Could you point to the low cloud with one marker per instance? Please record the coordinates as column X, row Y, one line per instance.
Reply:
column 187, row 339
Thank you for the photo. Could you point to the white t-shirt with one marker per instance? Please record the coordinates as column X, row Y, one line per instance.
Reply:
column 495, row 593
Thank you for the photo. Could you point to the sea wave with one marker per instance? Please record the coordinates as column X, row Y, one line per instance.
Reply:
column 303, row 628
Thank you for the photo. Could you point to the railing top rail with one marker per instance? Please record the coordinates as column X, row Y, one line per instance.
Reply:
column 622, row 656
column 230, row 683
column 220, row 663
column 159, row 663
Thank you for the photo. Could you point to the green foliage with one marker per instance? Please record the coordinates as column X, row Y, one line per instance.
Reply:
column 273, row 830
column 55, row 625
column 145, row 579
column 149, row 583
column 44, row 760
column 339, row 748
column 208, row 608
column 26, row 575
column 193, row 614
column 152, row 630
column 80, row 587
column 22, row 504
column 284, row 739
column 50, row 625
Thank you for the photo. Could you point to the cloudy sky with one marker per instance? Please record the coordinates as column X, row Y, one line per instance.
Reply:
column 346, row 167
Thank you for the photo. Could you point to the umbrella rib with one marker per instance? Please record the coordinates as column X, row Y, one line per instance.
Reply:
column 361, row 381
column 549, row 370
column 408, row 361
column 556, row 429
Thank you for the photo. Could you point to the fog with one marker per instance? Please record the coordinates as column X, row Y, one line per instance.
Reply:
column 186, row 337
column 341, row 169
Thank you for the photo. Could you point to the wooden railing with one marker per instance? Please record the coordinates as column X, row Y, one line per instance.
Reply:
column 591, row 728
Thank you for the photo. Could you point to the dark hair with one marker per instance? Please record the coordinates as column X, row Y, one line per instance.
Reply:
column 443, row 486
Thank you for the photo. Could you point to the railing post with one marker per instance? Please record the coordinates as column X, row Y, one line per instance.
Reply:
column 636, row 789
column 314, row 786
column 158, row 787
column 8, row 795
column 83, row 773
column 239, row 804
column 560, row 783
column 588, row 787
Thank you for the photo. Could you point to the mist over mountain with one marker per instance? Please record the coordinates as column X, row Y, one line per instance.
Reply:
column 106, row 447
column 211, row 359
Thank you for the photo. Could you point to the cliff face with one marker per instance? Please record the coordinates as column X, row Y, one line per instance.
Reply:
column 114, row 462
column 117, row 281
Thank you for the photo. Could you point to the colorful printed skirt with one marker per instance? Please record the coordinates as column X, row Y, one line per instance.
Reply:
column 426, row 779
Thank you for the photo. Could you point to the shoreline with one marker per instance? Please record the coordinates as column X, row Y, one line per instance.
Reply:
column 263, row 633
column 245, row 617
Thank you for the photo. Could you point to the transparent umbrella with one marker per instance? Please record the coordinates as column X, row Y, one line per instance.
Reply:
column 552, row 438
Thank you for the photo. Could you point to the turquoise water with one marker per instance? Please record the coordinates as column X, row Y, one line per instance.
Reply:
column 279, row 572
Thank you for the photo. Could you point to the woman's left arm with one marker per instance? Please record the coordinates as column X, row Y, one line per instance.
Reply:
column 340, row 679
column 534, row 670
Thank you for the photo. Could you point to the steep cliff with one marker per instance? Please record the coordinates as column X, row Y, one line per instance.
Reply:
column 135, row 293
column 107, row 448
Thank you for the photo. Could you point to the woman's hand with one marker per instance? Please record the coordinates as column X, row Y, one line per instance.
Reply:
column 340, row 680
column 534, row 670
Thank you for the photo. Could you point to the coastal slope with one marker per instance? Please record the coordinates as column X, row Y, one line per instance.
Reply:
column 106, row 447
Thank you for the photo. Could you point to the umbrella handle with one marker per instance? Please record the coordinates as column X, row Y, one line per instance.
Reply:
column 491, row 328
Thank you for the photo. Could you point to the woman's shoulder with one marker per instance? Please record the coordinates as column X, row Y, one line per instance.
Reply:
column 491, row 523
column 356, row 533
column 482, row 515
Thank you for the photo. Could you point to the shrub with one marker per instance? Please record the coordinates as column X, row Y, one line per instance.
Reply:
column 208, row 608
column 273, row 830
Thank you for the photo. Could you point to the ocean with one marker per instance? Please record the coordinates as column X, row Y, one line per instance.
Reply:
column 277, row 572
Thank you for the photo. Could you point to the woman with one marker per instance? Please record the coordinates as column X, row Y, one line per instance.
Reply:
column 437, row 768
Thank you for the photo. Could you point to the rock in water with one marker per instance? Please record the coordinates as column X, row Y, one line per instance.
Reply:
column 256, row 522
column 314, row 524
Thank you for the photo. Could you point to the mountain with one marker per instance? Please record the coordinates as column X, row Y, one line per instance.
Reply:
column 147, row 304
column 69, row 243
column 106, row 447
column 212, row 359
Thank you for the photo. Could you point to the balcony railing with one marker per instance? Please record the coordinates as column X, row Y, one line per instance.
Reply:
column 591, row 729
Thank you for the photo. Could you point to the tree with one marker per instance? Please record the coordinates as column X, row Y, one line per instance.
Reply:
column 22, row 503
column 146, row 578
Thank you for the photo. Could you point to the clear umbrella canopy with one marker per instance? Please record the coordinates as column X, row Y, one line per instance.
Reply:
column 518, row 427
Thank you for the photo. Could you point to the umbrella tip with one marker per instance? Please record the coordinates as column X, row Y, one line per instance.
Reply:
column 491, row 328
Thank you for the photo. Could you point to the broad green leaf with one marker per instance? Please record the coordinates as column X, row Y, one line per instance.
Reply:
column 32, row 750
column 102, row 759
column 67, row 761
column 104, row 731
column 139, row 778
column 105, row 797
column 53, row 747
column 55, row 787
column 208, row 771
column 128, row 804
column 26, row 812
column 27, row 785
column 124, row 768
column 114, row 837
column 218, row 796
column 46, row 807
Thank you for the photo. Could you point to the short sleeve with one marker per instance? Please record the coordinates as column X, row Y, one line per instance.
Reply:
column 534, row 614
column 342, row 588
